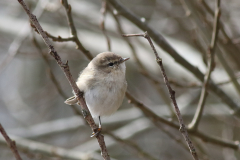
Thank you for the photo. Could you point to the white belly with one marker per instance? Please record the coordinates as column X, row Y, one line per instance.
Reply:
column 104, row 101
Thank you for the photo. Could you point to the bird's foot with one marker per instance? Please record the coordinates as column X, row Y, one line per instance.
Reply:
column 96, row 132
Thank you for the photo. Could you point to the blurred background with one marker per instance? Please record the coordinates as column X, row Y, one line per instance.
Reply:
column 33, row 87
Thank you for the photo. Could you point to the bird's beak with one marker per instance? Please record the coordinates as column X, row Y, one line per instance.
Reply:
column 124, row 59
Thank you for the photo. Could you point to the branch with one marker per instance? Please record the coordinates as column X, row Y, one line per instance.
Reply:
column 211, row 53
column 11, row 144
column 59, row 38
column 160, row 41
column 66, row 70
column 68, row 9
column 172, row 95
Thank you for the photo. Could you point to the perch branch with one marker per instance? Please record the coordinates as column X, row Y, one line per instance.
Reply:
column 66, row 70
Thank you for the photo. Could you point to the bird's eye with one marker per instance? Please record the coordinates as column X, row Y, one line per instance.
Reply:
column 110, row 64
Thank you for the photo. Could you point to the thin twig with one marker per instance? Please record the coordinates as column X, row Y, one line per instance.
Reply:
column 59, row 38
column 66, row 70
column 74, row 34
column 102, row 23
column 11, row 144
column 183, row 129
column 210, row 53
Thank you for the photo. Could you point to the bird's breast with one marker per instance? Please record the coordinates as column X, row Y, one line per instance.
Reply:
column 105, row 97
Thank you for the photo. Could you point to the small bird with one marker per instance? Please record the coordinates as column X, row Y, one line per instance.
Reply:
column 103, row 84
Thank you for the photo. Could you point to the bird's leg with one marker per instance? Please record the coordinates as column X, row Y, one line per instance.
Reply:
column 98, row 130
column 100, row 124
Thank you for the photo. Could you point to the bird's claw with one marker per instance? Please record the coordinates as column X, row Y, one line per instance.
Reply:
column 96, row 132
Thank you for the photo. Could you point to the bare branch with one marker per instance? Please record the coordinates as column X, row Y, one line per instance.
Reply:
column 68, row 9
column 183, row 129
column 59, row 38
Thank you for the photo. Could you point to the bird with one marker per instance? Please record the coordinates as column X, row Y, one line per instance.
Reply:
column 104, row 85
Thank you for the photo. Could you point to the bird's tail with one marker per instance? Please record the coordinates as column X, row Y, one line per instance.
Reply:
column 71, row 101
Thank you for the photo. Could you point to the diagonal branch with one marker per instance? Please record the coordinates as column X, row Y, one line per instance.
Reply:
column 68, row 9
column 66, row 70
column 183, row 129
column 211, row 53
